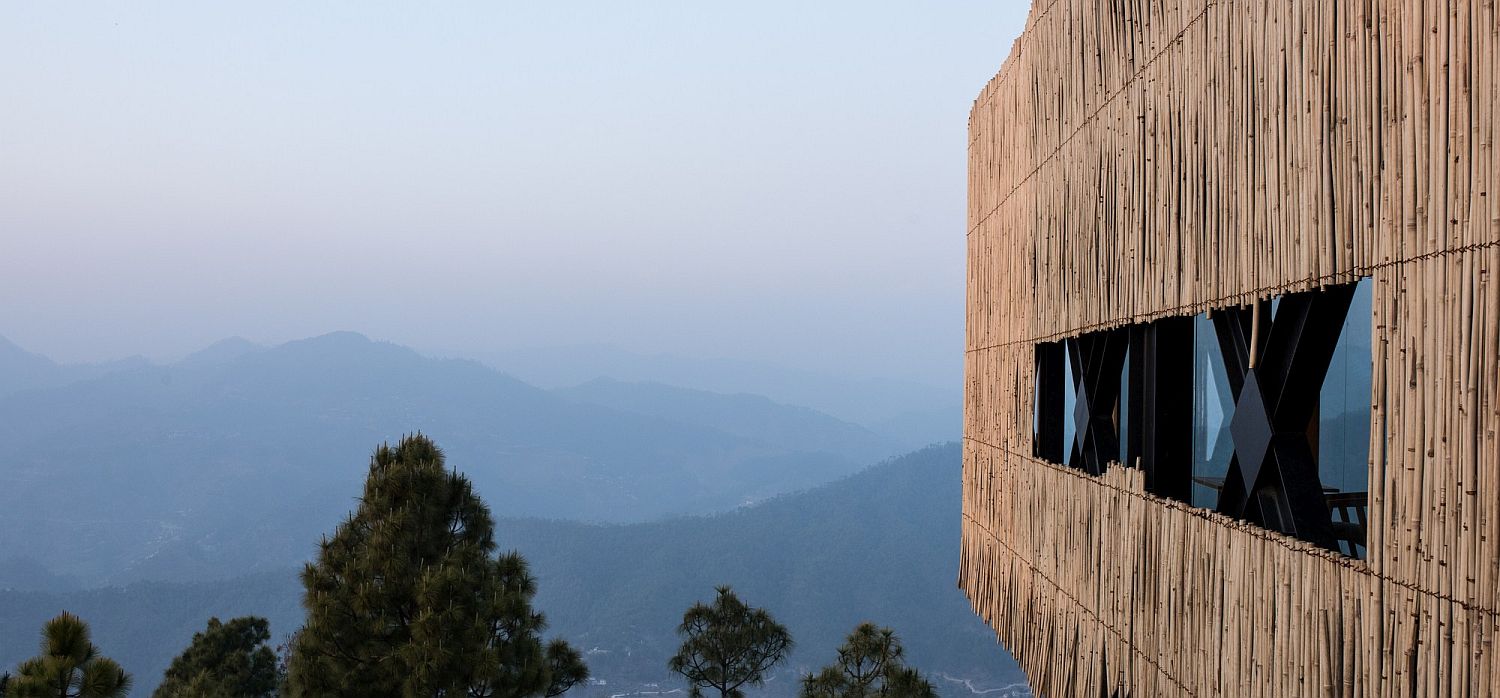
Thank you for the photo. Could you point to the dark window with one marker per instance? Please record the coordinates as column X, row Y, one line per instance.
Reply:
column 1160, row 405
column 1260, row 412
column 1051, row 433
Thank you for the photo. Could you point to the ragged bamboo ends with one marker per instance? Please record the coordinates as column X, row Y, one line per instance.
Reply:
column 1141, row 160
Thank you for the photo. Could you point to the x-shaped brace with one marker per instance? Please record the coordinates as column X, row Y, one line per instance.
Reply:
column 1097, row 359
column 1273, row 477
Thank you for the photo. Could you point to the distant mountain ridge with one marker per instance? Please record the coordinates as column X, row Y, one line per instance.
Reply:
column 233, row 459
column 221, row 351
column 21, row 370
column 742, row 414
column 916, row 413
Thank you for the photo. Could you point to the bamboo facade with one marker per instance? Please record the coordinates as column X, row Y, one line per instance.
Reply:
column 1139, row 160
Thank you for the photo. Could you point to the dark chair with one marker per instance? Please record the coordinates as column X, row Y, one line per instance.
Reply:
column 1347, row 512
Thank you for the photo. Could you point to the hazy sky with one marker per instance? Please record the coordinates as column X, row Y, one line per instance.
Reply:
column 778, row 181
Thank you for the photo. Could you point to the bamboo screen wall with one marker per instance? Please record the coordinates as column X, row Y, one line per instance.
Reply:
column 1134, row 160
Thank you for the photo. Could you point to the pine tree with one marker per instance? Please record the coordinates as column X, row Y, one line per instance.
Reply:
column 69, row 666
column 871, row 663
column 227, row 660
column 407, row 597
column 728, row 645
column 566, row 665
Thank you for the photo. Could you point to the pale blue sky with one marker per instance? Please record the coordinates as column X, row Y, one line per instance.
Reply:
column 776, row 181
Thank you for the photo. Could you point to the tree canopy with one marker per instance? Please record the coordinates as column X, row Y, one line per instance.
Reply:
column 226, row 660
column 870, row 663
column 728, row 645
column 408, row 597
column 69, row 666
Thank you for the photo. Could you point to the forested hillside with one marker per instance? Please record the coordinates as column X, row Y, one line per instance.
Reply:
column 879, row 546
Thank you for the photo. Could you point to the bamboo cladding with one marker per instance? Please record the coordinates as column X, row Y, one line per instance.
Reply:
column 1137, row 160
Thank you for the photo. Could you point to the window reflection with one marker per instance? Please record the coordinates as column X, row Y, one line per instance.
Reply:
column 1343, row 434
column 1122, row 415
column 1344, row 409
column 1070, row 403
column 1213, row 402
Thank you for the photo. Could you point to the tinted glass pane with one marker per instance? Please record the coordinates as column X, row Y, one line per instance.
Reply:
column 1344, row 405
column 1070, row 401
column 1036, row 409
column 1213, row 403
column 1122, row 412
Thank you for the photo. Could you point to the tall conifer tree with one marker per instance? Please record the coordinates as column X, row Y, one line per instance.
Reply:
column 69, row 666
column 728, row 645
column 408, row 599
column 871, row 664
column 226, row 660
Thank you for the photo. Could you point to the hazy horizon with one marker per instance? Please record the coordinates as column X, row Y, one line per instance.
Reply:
column 780, row 182
column 749, row 220
column 543, row 366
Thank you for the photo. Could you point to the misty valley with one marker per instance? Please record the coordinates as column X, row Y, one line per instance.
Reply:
column 147, row 498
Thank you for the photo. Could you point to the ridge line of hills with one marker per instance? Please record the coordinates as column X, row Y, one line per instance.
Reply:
column 913, row 412
column 237, row 447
